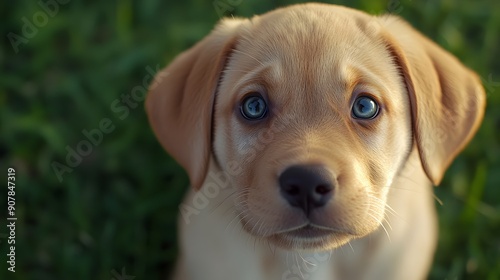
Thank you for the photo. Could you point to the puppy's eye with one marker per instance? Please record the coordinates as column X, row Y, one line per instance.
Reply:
column 253, row 107
column 365, row 108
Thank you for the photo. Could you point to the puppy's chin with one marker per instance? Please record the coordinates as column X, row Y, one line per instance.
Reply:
column 305, row 238
column 310, row 241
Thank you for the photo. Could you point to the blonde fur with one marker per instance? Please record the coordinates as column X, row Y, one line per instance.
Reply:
column 310, row 62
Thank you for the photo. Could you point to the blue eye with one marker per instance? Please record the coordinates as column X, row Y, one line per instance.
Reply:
column 253, row 107
column 365, row 108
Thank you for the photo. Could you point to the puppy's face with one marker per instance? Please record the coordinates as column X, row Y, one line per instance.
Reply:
column 312, row 110
column 316, row 125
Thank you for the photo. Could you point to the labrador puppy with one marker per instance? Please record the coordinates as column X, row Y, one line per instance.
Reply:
column 312, row 136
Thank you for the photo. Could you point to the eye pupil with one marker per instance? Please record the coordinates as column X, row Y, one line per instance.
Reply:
column 361, row 107
column 253, row 107
column 365, row 108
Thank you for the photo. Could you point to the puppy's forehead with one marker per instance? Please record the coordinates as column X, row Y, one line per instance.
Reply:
column 313, row 44
column 314, row 28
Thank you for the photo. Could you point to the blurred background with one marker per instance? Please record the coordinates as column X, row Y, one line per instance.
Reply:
column 108, row 210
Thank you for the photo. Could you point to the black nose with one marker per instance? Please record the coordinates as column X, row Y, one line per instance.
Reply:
column 306, row 186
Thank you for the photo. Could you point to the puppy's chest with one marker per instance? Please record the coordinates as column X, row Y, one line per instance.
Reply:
column 309, row 271
column 286, row 265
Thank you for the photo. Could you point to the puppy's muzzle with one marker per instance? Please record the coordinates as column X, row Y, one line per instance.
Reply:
column 306, row 186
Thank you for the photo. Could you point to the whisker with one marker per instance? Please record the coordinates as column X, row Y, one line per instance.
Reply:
column 384, row 205
column 244, row 226
column 349, row 243
column 248, row 221
column 437, row 199
column 388, row 223
column 391, row 210
column 406, row 189
column 258, row 221
column 286, row 259
column 254, row 241
column 259, row 230
column 238, row 196
column 382, row 225
column 305, row 261
column 231, row 221
column 222, row 202
column 409, row 178
column 298, row 266
column 270, row 249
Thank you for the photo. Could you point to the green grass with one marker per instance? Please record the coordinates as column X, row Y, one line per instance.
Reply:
column 118, row 208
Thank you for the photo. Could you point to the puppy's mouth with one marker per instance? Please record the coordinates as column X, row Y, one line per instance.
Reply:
column 310, row 237
column 308, row 232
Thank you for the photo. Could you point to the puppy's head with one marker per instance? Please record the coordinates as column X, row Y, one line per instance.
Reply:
column 311, row 111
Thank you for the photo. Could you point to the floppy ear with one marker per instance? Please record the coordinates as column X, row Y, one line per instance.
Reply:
column 447, row 99
column 180, row 100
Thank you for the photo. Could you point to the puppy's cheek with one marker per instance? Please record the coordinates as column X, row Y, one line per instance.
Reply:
column 387, row 156
column 229, row 148
column 221, row 140
column 360, row 217
column 265, row 209
column 265, row 214
column 357, row 206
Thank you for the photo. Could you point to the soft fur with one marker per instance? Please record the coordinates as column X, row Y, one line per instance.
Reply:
column 310, row 62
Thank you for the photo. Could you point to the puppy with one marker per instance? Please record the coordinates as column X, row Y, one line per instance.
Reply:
column 312, row 136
